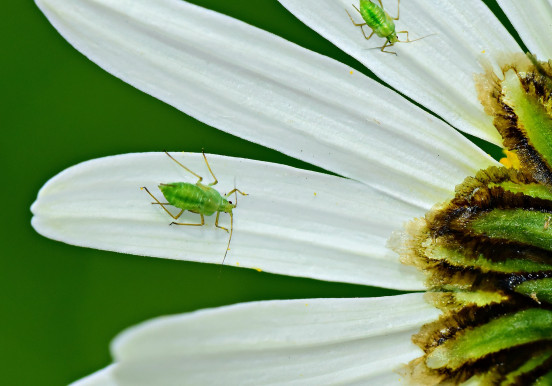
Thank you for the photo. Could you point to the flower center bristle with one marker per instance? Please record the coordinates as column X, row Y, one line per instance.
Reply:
column 487, row 253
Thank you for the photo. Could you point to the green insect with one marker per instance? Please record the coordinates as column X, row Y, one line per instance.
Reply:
column 197, row 198
column 381, row 23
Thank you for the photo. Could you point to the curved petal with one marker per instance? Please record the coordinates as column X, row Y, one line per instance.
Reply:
column 531, row 19
column 293, row 222
column 103, row 377
column 301, row 341
column 437, row 71
column 257, row 86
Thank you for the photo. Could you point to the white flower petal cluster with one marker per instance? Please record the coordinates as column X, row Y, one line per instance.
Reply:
column 395, row 161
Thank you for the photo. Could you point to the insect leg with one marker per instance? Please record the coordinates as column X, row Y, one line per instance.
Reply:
column 195, row 225
column 367, row 37
column 352, row 21
column 235, row 190
column 359, row 24
column 216, row 222
column 398, row 10
column 162, row 205
column 407, row 38
column 210, row 171
column 197, row 175
column 387, row 45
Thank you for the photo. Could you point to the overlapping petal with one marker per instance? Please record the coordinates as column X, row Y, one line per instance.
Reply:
column 257, row 86
column 437, row 71
column 260, row 87
column 292, row 222
column 301, row 341
column 103, row 377
column 531, row 19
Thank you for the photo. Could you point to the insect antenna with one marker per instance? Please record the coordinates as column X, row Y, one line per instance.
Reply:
column 229, row 238
column 413, row 40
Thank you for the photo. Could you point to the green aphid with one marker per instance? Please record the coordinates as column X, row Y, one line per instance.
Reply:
column 381, row 23
column 197, row 198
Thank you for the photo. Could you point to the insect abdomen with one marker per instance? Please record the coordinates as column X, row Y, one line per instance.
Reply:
column 376, row 18
column 183, row 195
column 201, row 199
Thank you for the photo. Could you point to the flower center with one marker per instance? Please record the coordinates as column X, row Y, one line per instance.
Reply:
column 487, row 252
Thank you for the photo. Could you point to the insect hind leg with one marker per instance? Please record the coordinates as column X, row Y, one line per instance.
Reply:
column 364, row 33
column 162, row 204
column 352, row 21
column 362, row 29
column 184, row 167
column 210, row 171
column 194, row 225
column 361, row 25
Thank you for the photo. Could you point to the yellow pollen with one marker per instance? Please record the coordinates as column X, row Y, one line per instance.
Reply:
column 511, row 161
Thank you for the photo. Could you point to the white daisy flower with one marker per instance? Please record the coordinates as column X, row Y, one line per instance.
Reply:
column 395, row 161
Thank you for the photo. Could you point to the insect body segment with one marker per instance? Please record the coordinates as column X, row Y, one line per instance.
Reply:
column 376, row 18
column 197, row 198
column 381, row 23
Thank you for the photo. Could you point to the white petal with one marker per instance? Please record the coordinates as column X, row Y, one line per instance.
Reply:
column 316, row 341
column 437, row 71
column 532, row 20
column 257, row 86
column 103, row 377
column 293, row 222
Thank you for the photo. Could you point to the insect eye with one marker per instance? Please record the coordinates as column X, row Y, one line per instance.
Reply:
column 230, row 202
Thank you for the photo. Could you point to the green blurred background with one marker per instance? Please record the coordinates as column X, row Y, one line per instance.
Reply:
column 62, row 305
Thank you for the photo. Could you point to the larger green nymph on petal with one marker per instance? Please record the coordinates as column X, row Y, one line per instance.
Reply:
column 399, row 160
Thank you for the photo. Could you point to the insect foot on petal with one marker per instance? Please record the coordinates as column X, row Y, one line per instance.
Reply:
column 487, row 253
